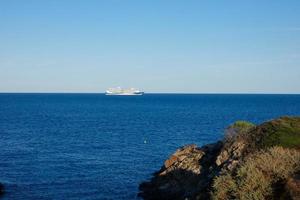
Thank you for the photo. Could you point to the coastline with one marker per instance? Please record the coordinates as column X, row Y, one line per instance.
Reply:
column 215, row 171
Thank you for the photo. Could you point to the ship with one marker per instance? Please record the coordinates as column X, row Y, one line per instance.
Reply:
column 121, row 91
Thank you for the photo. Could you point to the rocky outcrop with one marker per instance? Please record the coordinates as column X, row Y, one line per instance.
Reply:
column 179, row 176
column 229, row 157
column 185, row 158
column 293, row 188
column 189, row 173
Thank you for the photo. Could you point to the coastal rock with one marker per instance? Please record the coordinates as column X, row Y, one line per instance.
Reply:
column 230, row 155
column 185, row 158
column 180, row 177
column 176, row 176
column 293, row 187
column 190, row 173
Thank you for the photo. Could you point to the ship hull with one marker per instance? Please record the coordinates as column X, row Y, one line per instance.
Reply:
column 125, row 94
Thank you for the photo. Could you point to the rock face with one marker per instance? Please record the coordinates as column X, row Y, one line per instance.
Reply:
column 185, row 158
column 293, row 188
column 189, row 172
column 229, row 157
column 179, row 178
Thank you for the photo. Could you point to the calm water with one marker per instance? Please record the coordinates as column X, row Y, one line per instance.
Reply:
column 91, row 146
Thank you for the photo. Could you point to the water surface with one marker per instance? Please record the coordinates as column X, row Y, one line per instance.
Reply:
column 92, row 146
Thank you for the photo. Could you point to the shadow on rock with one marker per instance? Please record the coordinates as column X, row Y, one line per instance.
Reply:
column 177, row 184
column 184, row 175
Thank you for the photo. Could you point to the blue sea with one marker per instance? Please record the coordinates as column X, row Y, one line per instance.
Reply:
column 92, row 146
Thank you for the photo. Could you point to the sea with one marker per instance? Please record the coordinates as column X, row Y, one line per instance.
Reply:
column 92, row 146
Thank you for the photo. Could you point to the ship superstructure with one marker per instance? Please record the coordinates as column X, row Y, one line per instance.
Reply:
column 121, row 91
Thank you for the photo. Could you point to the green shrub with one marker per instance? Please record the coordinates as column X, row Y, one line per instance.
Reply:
column 283, row 132
column 242, row 125
column 238, row 130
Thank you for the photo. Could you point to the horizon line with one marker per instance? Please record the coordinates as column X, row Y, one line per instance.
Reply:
column 184, row 93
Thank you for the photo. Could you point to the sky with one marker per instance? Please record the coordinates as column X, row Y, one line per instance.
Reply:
column 163, row 46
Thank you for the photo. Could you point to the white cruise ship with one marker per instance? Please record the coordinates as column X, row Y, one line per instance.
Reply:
column 120, row 91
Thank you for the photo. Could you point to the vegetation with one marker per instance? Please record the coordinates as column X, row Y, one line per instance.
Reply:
column 242, row 125
column 283, row 132
column 256, row 177
column 238, row 130
column 252, row 163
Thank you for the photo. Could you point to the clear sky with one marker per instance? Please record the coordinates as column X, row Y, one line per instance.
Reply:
column 221, row 46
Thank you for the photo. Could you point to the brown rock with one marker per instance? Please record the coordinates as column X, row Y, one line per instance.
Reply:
column 170, row 161
column 293, row 187
column 182, row 175
column 222, row 157
column 230, row 153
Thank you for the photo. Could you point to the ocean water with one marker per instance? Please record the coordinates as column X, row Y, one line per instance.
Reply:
column 92, row 146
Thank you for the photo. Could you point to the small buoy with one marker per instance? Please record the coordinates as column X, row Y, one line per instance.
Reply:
column 145, row 141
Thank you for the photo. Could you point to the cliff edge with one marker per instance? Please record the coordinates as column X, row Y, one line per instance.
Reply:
column 251, row 162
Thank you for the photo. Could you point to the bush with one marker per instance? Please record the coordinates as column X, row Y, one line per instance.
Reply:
column 225, row 187
column 238, row 130
column 282, row 132
column 254, row 179
column 242, row 125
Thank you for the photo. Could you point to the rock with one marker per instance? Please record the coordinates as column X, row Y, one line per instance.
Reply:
column 222, row 157
column 185, row 158
column 293, row 187
column 190, row 171
column 179, row 178
column 173, row 159
column 232, row 165
column 230, row 154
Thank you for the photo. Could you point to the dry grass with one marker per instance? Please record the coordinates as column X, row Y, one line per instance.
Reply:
column 224, row 186
column 256, row 176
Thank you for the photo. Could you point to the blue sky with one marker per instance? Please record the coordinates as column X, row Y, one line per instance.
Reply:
column 228, row 46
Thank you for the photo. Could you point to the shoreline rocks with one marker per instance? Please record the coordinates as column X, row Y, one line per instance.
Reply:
column 181, row 173
column 190, row 172
column 292, row 187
